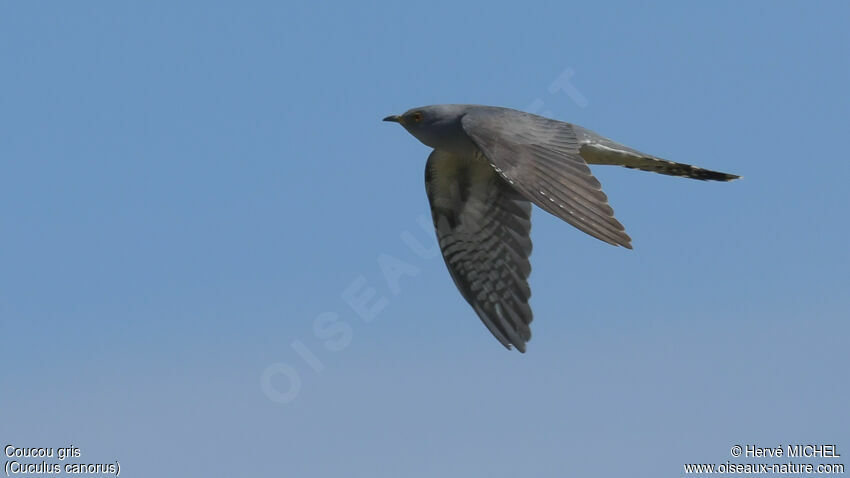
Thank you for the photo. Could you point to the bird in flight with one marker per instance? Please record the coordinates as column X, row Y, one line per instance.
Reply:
column 488, row 165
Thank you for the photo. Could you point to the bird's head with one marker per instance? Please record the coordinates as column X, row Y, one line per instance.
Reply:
column 436, row 126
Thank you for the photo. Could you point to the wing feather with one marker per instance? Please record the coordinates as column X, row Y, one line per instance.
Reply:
column 541, row 159
column 483, row 227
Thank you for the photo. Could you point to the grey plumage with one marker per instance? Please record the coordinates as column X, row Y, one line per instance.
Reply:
column 488, row 165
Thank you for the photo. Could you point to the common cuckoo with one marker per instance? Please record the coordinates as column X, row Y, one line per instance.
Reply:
column 488, row 165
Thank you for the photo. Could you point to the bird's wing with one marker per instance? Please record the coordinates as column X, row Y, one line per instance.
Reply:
column 540, row 158
column 483, row 228
column 597, row 149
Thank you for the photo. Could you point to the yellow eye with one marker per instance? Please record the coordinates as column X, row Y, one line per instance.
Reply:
column 417, row 117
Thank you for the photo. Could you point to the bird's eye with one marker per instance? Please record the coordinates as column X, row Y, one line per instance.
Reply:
column 417, row 117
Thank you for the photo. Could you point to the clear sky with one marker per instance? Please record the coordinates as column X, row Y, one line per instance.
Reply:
column 190, row 190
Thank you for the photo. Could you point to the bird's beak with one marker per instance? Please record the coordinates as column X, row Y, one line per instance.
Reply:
column 393, row 118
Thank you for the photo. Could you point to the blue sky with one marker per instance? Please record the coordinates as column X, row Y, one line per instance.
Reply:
column 187, row 190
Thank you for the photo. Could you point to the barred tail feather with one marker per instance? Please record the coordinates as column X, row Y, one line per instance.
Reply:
column 602, row 154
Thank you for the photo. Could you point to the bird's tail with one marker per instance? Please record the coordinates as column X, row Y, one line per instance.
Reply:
column 600, row 154
column 596, row 149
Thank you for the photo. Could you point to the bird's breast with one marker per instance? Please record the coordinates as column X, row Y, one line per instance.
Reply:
column 457, row 179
